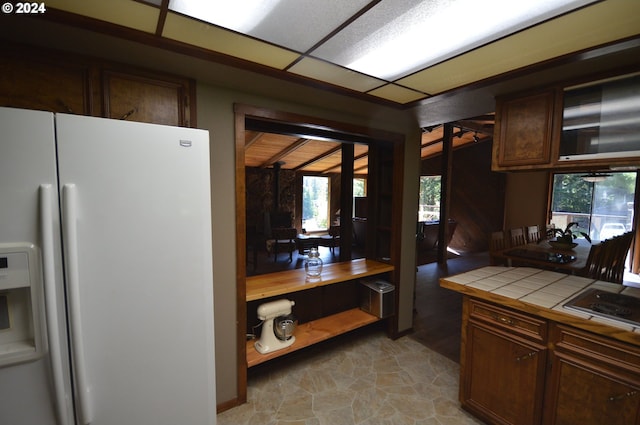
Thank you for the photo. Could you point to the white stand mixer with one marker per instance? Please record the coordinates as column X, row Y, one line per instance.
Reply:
column 268, row 312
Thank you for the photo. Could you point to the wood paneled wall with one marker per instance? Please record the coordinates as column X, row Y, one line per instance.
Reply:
column 477, row 198
column 260, row 195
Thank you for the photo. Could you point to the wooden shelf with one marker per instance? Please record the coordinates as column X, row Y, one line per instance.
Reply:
column 287, row 281
column 315, row 331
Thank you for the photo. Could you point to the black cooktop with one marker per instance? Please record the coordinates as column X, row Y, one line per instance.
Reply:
column 624, row 308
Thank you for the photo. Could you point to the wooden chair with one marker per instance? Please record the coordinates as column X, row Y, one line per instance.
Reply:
column 517, row 236
column 533, row 234
column 284, row 237
column 606, row 260
column 497, row 242
column 332, row 239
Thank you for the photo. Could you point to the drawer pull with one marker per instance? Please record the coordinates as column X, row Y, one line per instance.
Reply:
column 526, row 356
column 502, row 319
column 623, row 396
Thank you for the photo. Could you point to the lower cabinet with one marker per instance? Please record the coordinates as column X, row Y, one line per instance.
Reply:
column 521, row 369
column 593, row 380
column 503, row 365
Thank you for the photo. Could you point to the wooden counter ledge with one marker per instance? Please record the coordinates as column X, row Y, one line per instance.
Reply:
column 287, row 281
column 316, row 331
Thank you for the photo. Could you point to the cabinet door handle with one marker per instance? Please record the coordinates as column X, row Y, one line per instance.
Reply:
column 526, row 356
column 66, row 107
column 128, row 114
column 503, row 319
column 623, row 396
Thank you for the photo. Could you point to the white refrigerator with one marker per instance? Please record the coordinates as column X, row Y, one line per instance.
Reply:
column 106, row 281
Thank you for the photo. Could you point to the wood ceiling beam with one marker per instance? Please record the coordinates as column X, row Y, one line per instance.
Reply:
column 255, row 138
column 318, row 158
column 292, row 147
column 337, row 166
column 440, row 139
column 474, row 126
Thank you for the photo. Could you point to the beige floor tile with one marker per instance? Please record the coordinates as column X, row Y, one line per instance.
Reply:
column 367, row 379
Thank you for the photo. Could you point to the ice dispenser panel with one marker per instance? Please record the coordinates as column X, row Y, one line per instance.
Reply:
column 21, row 304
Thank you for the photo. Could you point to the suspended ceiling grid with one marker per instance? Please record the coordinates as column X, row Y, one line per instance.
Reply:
column 301, row 38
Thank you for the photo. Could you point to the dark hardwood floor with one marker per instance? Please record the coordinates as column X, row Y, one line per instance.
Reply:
column 438, row 311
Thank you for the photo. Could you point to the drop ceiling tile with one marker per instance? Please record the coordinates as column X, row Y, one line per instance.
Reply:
column 396, row 38
column 128, row 13
column 294, row 24
column 595, row 25
column 190, row 31
column 323, row 71
column 397, row 94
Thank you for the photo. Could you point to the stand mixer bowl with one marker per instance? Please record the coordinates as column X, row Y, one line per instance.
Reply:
column 283, row 326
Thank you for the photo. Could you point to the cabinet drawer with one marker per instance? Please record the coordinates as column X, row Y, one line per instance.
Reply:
column 523, row 325
column 596, row 348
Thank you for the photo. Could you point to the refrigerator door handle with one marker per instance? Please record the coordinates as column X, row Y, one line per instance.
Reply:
column 51, row 300
column 69, row 202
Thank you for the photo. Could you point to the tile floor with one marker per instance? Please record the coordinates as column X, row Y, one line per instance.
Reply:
column 361, row 378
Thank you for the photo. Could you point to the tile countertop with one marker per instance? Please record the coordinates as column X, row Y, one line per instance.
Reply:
column 542, row 293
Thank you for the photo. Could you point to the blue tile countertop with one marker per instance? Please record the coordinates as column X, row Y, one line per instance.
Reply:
column 543, row 293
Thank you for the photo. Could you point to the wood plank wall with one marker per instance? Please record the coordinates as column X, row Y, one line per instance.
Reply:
column 477, row 198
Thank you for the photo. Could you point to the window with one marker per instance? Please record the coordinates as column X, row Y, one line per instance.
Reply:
column 315, row 203
column 359, row 187
column 602, row 209
column 429, row 203
column 359, row 198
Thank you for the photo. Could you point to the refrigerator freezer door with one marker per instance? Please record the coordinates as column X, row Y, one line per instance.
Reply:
column 142, row 224
column 29, row 394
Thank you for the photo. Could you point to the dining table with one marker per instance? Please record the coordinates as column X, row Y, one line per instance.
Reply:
column 570, row 259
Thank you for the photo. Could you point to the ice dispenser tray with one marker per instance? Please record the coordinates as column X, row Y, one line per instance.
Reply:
column 377, row 298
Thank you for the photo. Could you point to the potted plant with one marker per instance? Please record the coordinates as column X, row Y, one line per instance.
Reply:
column 567, row 236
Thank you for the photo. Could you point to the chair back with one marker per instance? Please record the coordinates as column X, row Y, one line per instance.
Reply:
column 533, row 234
column 497, row 242
column 284, row 233
column 606, row 260
column 518, row 237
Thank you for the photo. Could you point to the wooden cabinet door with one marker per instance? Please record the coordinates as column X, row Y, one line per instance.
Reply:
column 593, row 380
column 43, row 82
column 504, row 377
column 587, row 394
column 502, row 364
column 524, row 131
column 146, row 98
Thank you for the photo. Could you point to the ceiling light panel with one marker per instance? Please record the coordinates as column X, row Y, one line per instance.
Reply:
column 295, row 24
column 186, row 30
column 126, row 13
column 337, row 75
column 595, row 25
column 397, row 93
column 394, row 39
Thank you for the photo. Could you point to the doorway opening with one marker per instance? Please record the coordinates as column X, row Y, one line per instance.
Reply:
column 387, row 156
